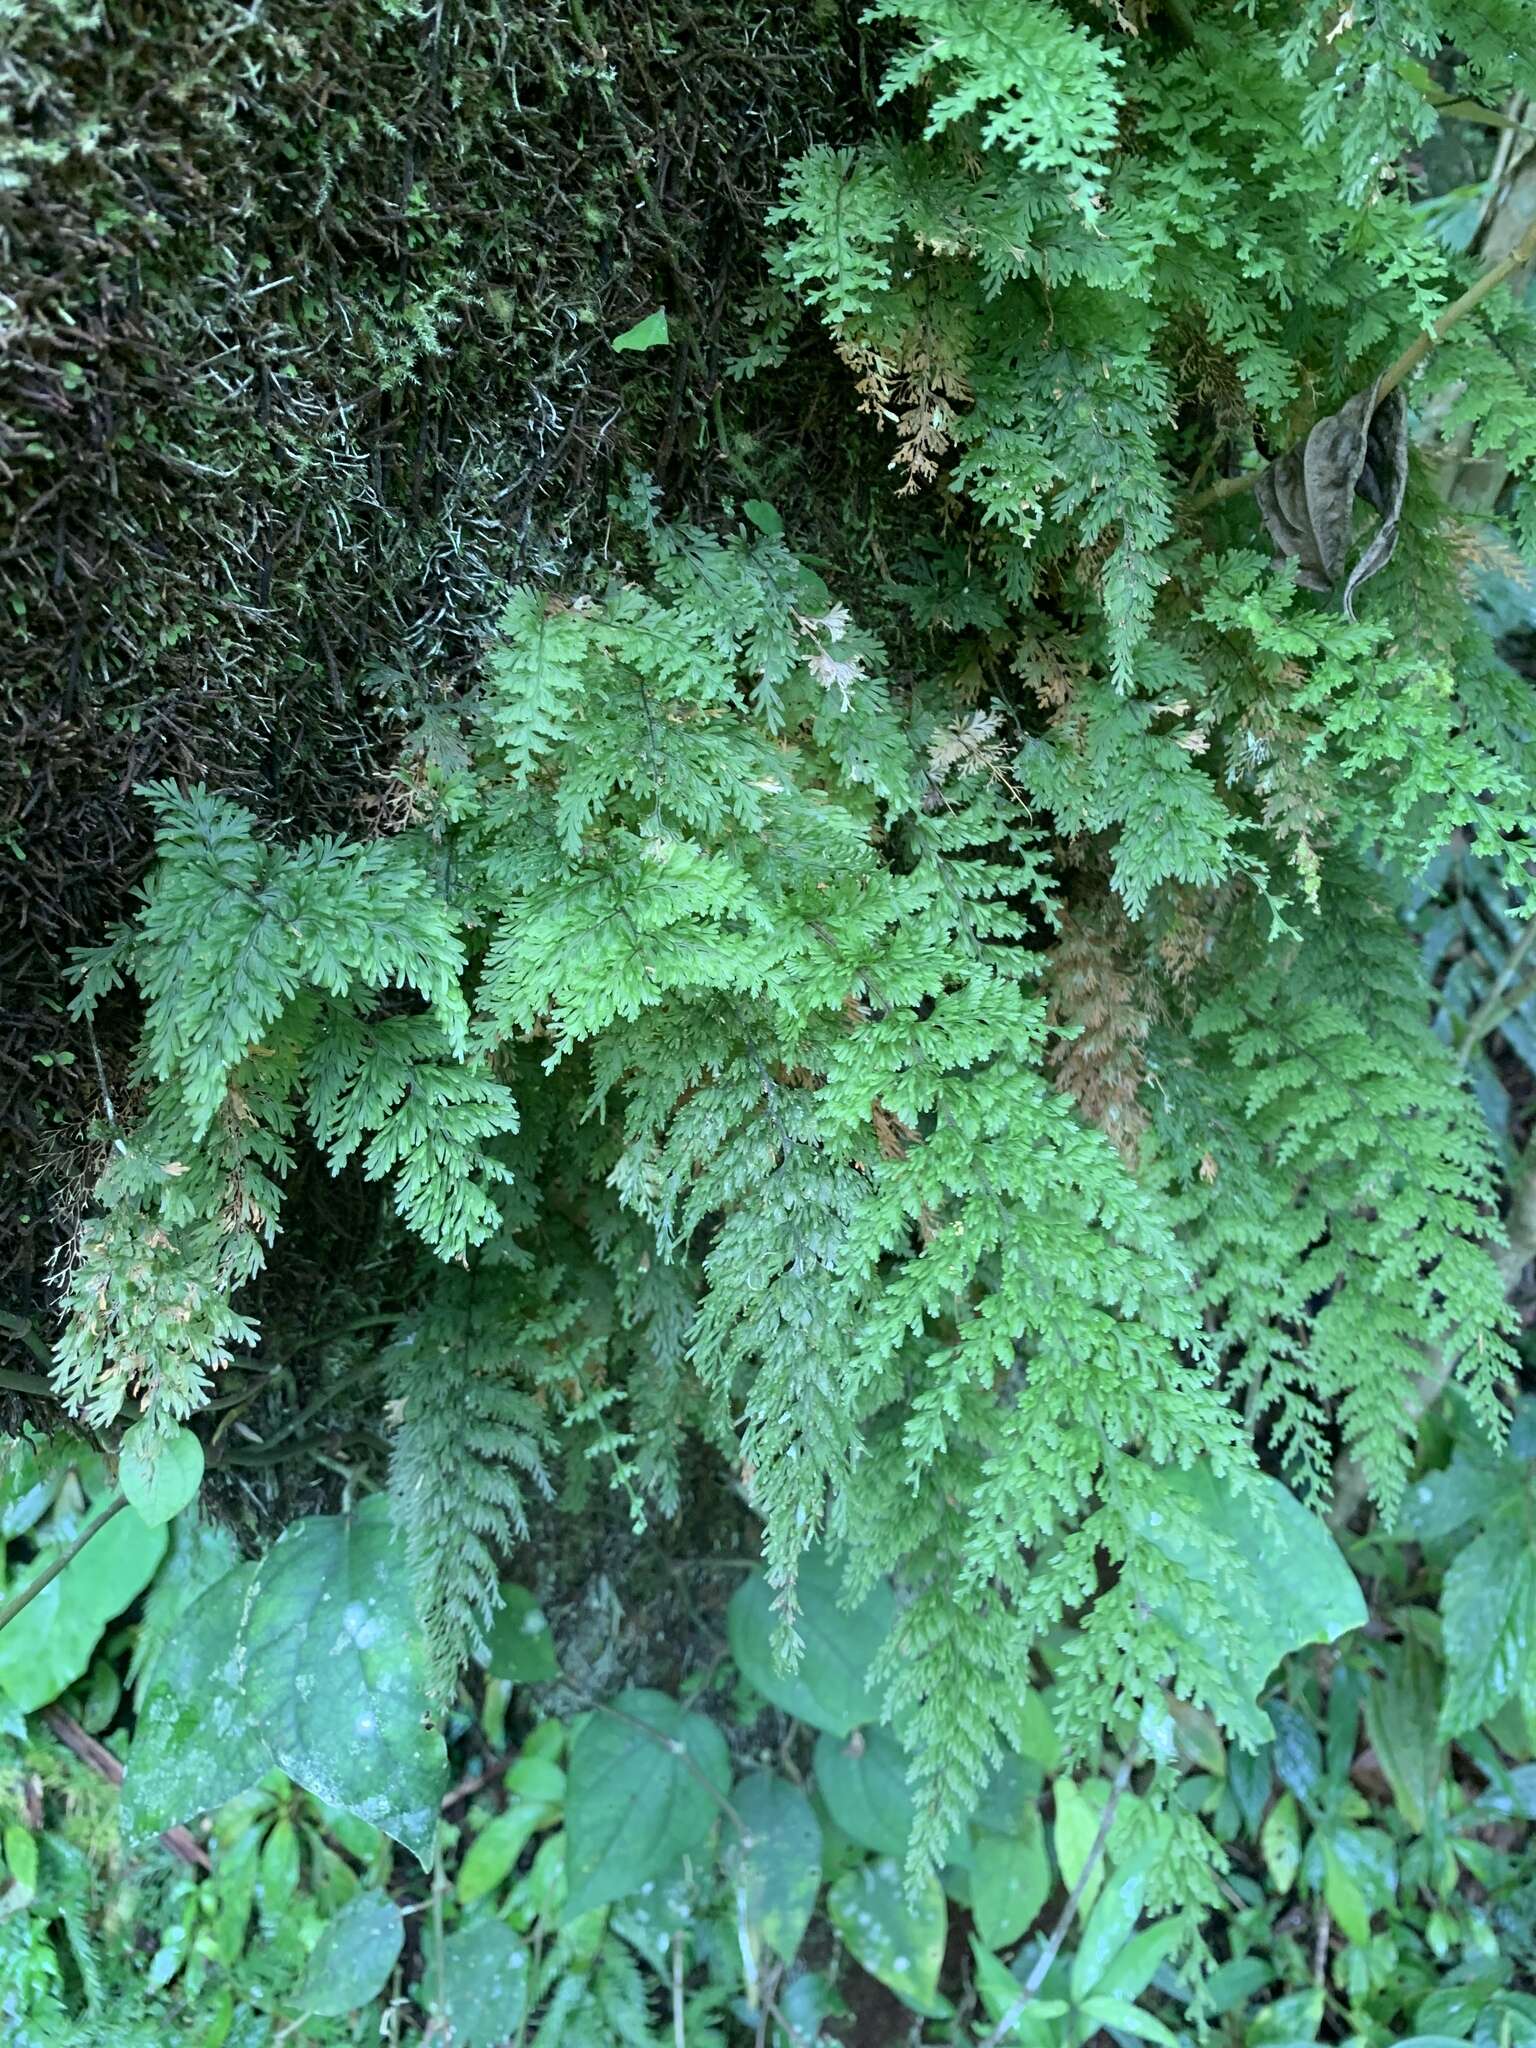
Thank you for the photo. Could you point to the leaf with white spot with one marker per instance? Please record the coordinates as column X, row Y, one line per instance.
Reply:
column 351, row 1962
column 485, row 1977
column 898, row 1937
column 776, row 1866
column 519, row 1642
column 311, row 1661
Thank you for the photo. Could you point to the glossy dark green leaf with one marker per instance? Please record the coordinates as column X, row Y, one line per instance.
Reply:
column 1402, row 1718
column 639, row 1795
column 351, row 1962
column 830, row 1689
column 1109, row 1926
column 776, row 1864
column 49, row 1643
column 1488, row 1612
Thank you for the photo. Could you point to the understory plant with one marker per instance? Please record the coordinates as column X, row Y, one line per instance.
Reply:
column 975, row 1046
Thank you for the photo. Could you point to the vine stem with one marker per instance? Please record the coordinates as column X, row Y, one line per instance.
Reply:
column 1059, row 1932
column 1407, row 362
column 49, row 1573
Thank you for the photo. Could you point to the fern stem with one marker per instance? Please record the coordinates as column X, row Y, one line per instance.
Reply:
column 1059, row 1932
column 29, row 1592
column 1406, row 363
column 1492, row 1010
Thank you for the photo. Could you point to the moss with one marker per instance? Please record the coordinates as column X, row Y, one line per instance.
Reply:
column 309, row 309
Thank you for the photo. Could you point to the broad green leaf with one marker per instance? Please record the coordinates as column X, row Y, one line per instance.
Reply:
column 865, row 1784
column 776, row 1866
column 1402, row 1718
column 277, row 1875
column 520, row 1644
column 663, row 1908
column 1270, row 1563
column 1341, row 1895
column 1130, row 1972
column 493, row 1853
column 335, row 1674
column 1488, row 1611
column 1287, row 2022
column 830, row 1689
column 1298, row 1753
column 192, row 1743
column 897, row 1937
column 1250, row 1775
column 639, row 1795
column 30, row 1476
column 310, row 1661
column 1129, row 2019
column 651, row 332
column 485, row 1981
column 764, row 517
column 350, row 1964
column 160, row 1474
column 50, row 1642
column 1008, row 1803
column 1280, row 1843
column 1109, row 1926
column 1078, row 1810
column 1475, row 1483
column 20, row 1847
column 1010, row 1881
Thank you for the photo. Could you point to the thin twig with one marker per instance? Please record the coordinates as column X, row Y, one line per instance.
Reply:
column 678, row 2016
column 101, row 1760
column 29, row 1592
column 1059, row 1932
column 1406, row 363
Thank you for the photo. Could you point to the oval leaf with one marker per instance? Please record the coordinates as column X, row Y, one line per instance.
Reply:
column 51, row 1641
column 1010, row 1881
column 897, row 1938
column 485, row 1978
column 160, row 1474
column 520, row 1644
column 310, row 1660
column 864, row 1783
column 777, row 1864
column 1274, row 1568
column 639, row 1795
column 351, row 1962
column 830, row 1689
